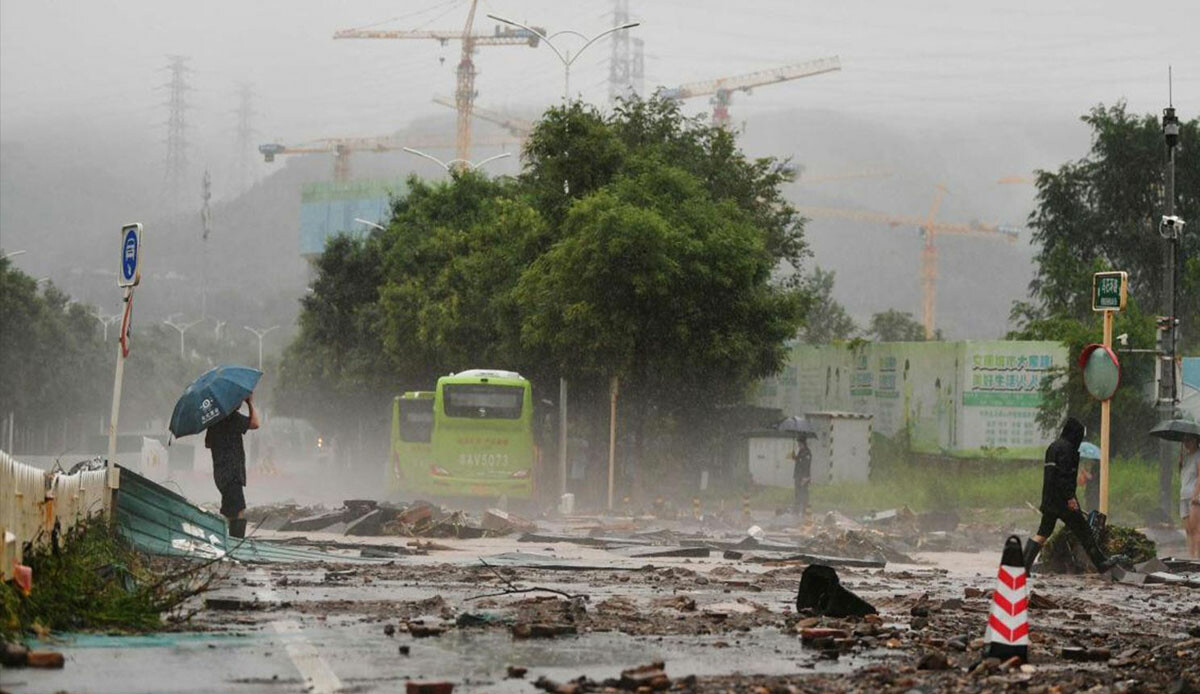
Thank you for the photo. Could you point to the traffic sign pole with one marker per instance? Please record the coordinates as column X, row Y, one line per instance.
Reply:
column 1105, row 421
column 1110, row 292
column 128, row 277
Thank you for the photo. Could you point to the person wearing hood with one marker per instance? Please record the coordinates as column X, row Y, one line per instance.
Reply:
column 1059, row 477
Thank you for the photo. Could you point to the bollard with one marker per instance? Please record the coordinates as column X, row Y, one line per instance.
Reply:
column 1008, row 624
column 696, row 507
column 746, row 506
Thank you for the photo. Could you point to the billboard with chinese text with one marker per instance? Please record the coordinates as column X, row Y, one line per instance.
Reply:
column 960, row 399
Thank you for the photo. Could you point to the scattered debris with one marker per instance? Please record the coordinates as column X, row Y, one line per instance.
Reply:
column 413, row 687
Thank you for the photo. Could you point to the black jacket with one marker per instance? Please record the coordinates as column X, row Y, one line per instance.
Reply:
column 1062, row 467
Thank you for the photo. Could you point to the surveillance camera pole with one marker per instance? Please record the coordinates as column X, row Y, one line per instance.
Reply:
column 1168, row 337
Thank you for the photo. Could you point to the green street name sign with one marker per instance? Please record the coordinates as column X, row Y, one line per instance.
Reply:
column 1109, row 291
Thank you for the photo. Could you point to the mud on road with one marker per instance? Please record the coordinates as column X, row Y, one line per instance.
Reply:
column 499, row 615
column 718, row 624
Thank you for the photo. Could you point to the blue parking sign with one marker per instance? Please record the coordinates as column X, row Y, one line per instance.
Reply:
column 131, row 247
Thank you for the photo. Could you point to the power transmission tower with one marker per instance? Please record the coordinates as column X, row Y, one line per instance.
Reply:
column 621, row 62
column 206, row 222
column 177, row 106
column 245, row 136
column 637, row 79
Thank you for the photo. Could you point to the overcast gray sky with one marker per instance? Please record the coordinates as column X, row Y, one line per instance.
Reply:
column 960, row 93
column 98, row 61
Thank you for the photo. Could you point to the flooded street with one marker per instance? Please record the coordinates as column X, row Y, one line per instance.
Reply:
column 475, row 613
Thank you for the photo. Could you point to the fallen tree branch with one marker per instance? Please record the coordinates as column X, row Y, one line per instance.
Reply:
column 514, row 591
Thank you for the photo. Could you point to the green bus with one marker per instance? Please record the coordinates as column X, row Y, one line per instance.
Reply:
column 481, row 443
column 412, row 440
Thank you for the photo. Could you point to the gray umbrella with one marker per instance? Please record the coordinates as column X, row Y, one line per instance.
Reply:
column 1175, row 429
column 798, row 424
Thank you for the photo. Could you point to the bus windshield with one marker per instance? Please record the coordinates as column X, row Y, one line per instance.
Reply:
column 480, row 401
column 416, row 420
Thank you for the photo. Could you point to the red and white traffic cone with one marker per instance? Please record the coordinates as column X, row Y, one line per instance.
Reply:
column 1008, row 625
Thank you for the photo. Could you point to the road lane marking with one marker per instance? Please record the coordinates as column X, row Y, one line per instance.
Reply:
column 315, row 671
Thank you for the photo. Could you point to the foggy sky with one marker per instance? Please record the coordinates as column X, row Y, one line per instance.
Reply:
column 961, row 93
column 917, row 61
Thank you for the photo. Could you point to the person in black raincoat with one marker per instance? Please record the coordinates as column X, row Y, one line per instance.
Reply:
column 1059, row 477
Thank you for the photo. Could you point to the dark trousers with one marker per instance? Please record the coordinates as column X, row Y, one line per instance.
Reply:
column 800, row 505
column 1077, row 523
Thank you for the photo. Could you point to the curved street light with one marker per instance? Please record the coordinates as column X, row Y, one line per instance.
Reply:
column 260, row 334
column 182, row 328
column 371, row 224
column 566, row 58
column 447, row 165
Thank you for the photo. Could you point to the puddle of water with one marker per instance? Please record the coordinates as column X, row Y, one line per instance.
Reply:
column 476, row 660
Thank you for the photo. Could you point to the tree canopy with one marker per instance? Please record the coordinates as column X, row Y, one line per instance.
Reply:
column 637, row 244
column 897, row 326
column 1102, row 213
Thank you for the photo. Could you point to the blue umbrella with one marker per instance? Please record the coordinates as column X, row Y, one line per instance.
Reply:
column 1089, row 451
column 211, row 397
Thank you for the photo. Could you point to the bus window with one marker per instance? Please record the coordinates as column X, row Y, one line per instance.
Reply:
column 416, row 420
column 483, row 401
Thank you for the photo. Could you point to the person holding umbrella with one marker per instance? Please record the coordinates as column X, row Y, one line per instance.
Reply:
column 1187, row 433
column 1189, row 491
column 211, row 403
column 224, row 439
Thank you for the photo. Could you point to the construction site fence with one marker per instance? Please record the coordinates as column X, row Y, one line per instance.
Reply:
column 33, row 502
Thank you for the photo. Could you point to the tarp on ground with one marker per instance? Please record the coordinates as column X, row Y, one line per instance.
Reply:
column 161, row 522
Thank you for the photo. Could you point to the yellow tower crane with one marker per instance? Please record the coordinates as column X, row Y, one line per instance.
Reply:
column 342, row 147
column 722, row 88
column 930, row 229
column 464, row 94
column 517, row 127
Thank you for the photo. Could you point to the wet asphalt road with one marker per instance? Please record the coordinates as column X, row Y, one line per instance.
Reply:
column 327, row 635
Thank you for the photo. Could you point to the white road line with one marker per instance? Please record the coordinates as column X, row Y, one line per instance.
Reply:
column 315, row 671
column 304, row 655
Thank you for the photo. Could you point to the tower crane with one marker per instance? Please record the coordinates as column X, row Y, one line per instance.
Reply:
column 464, row 94
column 517, row 127
column 343, row 147
column 930, row 229
column 722, row 88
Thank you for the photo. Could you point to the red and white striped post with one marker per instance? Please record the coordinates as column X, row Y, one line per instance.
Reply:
column 1008, row 624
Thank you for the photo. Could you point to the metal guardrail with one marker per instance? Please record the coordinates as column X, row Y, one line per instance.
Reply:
column 33, row 502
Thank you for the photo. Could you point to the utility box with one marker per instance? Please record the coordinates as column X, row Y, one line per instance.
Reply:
column 769, row 456
column 841, row 451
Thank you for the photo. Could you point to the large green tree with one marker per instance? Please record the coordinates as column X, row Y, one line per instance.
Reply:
column 1102, row 213
column 639, row 244
column 52, row 362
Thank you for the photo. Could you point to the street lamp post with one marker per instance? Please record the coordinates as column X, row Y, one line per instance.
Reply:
column 566, row 58
column 260, row 334
column 182, row 328
column 447, row 165
column 106, row 321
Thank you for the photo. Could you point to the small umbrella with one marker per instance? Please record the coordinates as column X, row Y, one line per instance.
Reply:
column 798, row 424
column 1175, row 429
column 1089, row 451
column 211, row 397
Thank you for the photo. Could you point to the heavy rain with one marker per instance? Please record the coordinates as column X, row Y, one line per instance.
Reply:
column 606, row 346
